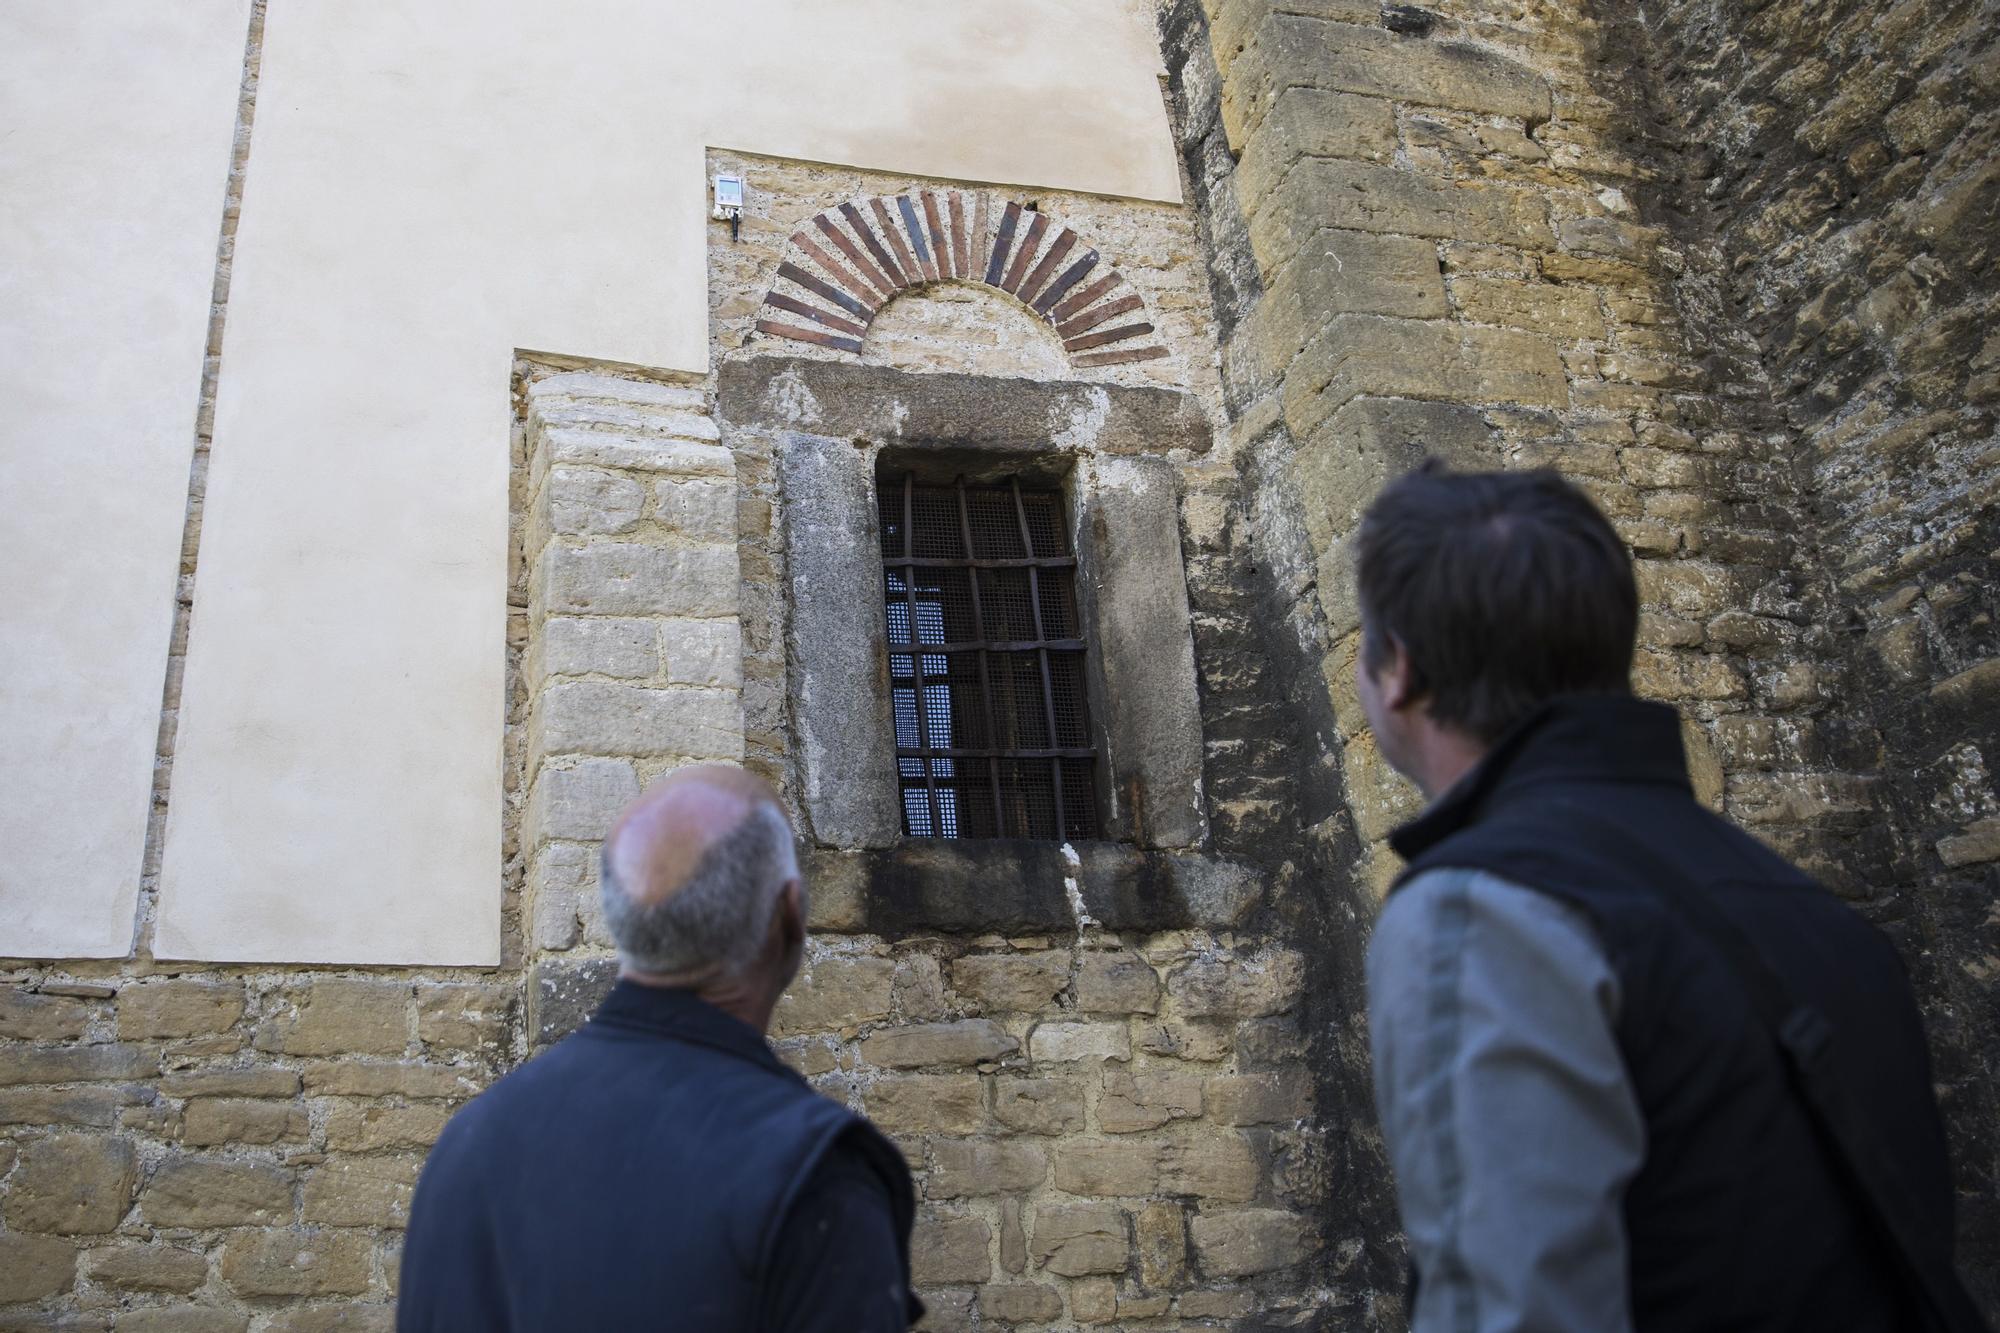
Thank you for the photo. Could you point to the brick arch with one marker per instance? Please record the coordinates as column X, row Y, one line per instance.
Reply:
column 845, row 264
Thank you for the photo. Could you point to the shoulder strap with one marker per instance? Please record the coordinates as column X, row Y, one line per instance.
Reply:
column 1805, row 1038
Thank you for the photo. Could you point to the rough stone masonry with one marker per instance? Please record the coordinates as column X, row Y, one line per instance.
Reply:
column 1730, row 267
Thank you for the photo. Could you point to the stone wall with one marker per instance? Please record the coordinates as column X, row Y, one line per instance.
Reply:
column 1834, row 173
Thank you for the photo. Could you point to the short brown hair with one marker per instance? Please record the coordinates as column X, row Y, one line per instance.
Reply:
column 1506, row 589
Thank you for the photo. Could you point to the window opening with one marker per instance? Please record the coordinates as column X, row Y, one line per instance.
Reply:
column 986, row 666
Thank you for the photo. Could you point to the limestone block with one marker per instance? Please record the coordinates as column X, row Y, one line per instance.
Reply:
column 562, row 390
column 148, row 1267
column 370, row 1078
column 334, row 1015
column 593, row 717
column 1269, row 983
column 1038, row 1105
column 1079, row 1238
column 562, row 994
column 1113, row 1168
column 588, row 500
column 627, row 579
column 1062, row 1043
column 1116, row 983
column 964, row 1167
column 464, row 1017
column 219, row 1120
column 1370, row 442
column 1253, row 1240
column 835, row 992
column 1259, row 1099
column 1013, row 1237
column 1366, row 196
column 1977, row 844
column 1367, row 356
column 26, row 1016
column 96, row 1108
column 1568, row 312
column 178, row 1008
column 1133, row 1102
column 579, row 800
column 1020, row 1303
column 965, row 1042
column 1976, row 687
column 950, row 1247
column 1160, row 1230
column 1219, row 1304
column 297, row 1263
column 356, row 1128
column 1292, row 50
column 360, row 1192
column 210, row 1192
column 180, row 1319
column 1216, row 1167
column 1094, row 1300
column 1012, row 982
column 335, row 1319
column 839, row 694
column 605, row 646
column 1134, row 587
column 1607, row 238
column 701, row 509
column 704, row 652
column 75, row 1064
column 947, row 1312
column 927, row 1103
column 72, row 1184
column 259, row 1081
column 1313, row 122
column 1342, row 272
column 32, row 1267
column 695, row 455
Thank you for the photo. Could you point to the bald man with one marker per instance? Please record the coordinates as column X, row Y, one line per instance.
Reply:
column 660, row 1168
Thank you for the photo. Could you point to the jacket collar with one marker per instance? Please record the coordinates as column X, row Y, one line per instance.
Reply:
column 1579, row 738
column 683, row 1016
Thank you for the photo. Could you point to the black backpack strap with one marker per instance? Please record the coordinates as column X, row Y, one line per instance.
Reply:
column 1805, row 1037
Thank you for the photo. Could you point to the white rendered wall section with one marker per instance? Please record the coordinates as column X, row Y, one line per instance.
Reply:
column 434, row 186
column 116, row 122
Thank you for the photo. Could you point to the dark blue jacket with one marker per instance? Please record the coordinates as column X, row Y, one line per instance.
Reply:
column 637, row 1175
column 1741, row 1218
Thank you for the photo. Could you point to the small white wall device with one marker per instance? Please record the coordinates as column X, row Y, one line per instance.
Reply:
column 728, row 193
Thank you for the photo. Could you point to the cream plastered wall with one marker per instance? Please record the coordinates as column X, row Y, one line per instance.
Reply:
column 115, row 130
column 431, row 187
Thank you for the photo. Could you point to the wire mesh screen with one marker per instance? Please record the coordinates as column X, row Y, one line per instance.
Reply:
column 986, row 663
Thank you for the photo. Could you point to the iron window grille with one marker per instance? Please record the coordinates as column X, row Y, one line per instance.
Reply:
column 986, row 663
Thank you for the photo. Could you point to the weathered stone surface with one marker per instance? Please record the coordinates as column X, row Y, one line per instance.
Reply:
column 628, row 579
column 148, row 1267
column 178, row 1008
column 218, row 1120
column 1116, row 983
column 1038, row 1105
column 1012, row 982
column 1540, row 308
column 1363, row 196
column 1363, row 355
column 698, row 508
column 704, row 652
column 96, row 1108
column 1020, row 1302
column 950, row 1247
column 338, row 1015
column 464, row 1017
column 1113, row 1168
column 1160, row 1230
column 835, row 991
column 367, row 1078
column 1341, row 271
column 601, row 717
column 562, row 993
column 257, row 1081
column 580, row 798
column 1079, row 1238
column 1013, row 1237
column 360, row 1192
column 213, row 1192
column 1313, row 122
column 180, row 1319
column 1258, row 1099
column 964, row 1042
column 1977, row 845
column 296, row 1263
column 962, row 1167
column 928, row 1103
column 1133, row 1102
column 1212, row 1167
column 27, row 1016
column 1254, row 1240
column 358, row 1128
column 72, row 1184
column 1062, row 1043
column 336, row 1319
column 600, row 645
column 1248, row 988
column 75, row 1064
column 32, row 1267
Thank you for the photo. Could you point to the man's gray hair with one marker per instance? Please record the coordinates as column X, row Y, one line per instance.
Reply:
column 719, row 918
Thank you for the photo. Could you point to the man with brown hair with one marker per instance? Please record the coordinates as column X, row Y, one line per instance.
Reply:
column 1634, row 1070
column 660, row 1168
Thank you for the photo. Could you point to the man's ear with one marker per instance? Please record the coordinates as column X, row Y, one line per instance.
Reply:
column 1398, row 678
column 790, row 919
